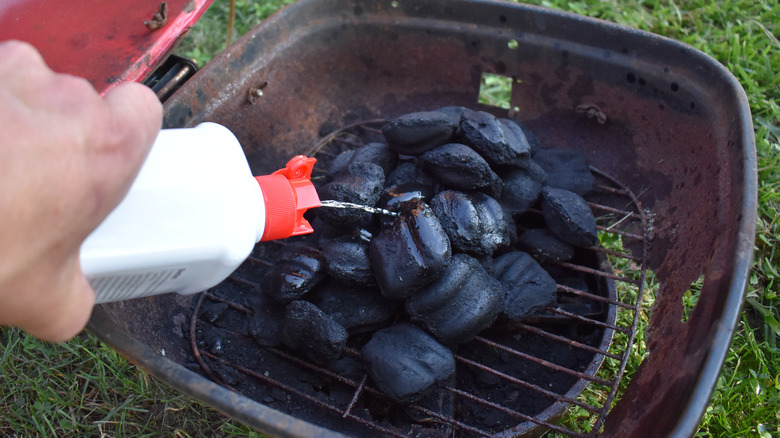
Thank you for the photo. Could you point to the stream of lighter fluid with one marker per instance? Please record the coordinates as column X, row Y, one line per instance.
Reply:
column 349, row 205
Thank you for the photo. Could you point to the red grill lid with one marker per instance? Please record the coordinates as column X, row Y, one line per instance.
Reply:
column 106, row 42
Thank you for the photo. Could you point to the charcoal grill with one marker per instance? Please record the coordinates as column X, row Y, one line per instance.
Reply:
column 675, row 159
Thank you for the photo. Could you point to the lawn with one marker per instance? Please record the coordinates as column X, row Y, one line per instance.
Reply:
column 82, row 388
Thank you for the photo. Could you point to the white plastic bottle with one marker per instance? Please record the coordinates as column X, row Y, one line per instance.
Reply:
column 193, row 215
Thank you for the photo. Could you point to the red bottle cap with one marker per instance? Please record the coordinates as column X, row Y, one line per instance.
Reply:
column 288, row 193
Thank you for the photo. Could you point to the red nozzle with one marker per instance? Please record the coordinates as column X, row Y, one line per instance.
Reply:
column 288, row 193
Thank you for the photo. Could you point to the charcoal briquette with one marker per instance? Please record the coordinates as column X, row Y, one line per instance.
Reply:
column 405, row 362
column 522, row 188
column 377, row 153
column 267, row 320
column 395, row 196
column 569, row 217
column 212, row 311
column 486, row 135
column 462, row 302
column 299, row 268
column 409, row 252
column 340, row 162
column 529, row 287
column 415, row 133
column 311, row 332
column 408, row 172
column 357, row 309
column 346, row 257
column 359, row 183
column 456, row 113
column 474, row 222
column 566, row 169
column 544, row 246
column 533, row 141
column 459, row 167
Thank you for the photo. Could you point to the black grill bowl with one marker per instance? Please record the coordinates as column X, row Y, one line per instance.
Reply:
column 678, row 132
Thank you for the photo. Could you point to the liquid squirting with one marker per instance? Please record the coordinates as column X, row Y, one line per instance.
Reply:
column 349, row 205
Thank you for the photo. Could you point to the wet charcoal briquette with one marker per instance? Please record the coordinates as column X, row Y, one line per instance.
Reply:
column 404, row 362
column 313, row 333
column 346, row 257
column 475, row 223
column 299, row 268
column 462, row 302
column 529, row 287
column 410, row 252
column 359, row 183
column 569, row 217
column 395, row 196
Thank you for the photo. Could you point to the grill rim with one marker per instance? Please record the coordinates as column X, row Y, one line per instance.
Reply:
column 686, row 418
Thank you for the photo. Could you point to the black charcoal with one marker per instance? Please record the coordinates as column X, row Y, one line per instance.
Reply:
column 311, row 332
column 299, row 268
column 485, row 134
column 340, row 162
column 462, row 302
column 357, row 309
column 359, row 183
column 459, row 167
column 267, row 321
column 522, row 188
column 377, row 153
column 394, row 196
column 211, row 312
column 475, row 223
column 542, row 245
column 410, row 252
column 415, row 133
column 346, row 257
column 569, row 217
column 405, row 362
column 566, row 169
column 455, row 112
column 408, row 172
column 529, row 287
column 533, row 141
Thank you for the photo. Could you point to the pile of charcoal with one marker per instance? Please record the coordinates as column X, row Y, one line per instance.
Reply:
column 454, row 256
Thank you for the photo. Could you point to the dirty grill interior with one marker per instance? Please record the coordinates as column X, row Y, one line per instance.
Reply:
column 666, row 130
column 512, row 379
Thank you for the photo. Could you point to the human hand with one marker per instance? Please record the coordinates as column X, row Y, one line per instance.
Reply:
column 67, row 158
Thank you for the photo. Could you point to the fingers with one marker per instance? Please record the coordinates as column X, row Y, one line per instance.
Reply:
column 52, row 302
column 68, row 158
column 132, row 116
column 18, row 56
column 137, row 109
column 60, row 322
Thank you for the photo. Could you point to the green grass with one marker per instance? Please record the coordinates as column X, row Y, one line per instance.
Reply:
column 82, row 388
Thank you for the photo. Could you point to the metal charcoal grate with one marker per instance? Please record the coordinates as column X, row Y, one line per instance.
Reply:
column 513, row 379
